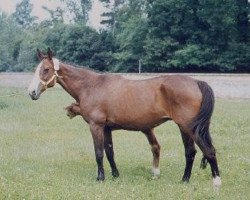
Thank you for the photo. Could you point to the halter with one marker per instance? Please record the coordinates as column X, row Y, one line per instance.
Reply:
column 55, row 75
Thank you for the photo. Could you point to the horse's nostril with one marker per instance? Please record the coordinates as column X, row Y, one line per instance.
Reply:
column 32, row 94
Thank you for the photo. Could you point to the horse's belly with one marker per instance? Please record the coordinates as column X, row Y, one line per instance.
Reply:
column 141, row 108
column 134, row 122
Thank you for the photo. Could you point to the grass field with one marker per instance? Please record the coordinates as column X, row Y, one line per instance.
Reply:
column 45, row 155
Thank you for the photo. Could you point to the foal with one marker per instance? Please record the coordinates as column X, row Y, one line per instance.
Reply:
column 73, row 110
column 109, row 102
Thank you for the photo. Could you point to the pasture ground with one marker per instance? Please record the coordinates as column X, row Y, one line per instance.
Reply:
column 45, row 155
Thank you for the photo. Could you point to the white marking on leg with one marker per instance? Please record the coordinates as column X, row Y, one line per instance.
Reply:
column 156, row 171
column 217, row 181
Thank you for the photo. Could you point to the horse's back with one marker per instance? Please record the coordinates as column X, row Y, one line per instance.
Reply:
column 151, row 101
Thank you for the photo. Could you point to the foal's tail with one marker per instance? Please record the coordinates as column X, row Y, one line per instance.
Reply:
column 201, row 122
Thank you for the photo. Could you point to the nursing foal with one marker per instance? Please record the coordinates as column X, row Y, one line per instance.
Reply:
column 109, row 102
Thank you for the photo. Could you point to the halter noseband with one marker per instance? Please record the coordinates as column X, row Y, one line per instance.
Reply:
column 56, row 68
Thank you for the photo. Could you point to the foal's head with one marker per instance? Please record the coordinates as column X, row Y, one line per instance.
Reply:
column 45, row 74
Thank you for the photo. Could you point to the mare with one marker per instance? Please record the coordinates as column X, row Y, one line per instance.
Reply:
column 109, row 102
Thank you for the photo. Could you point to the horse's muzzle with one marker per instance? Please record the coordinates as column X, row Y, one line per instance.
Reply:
column 33, row 95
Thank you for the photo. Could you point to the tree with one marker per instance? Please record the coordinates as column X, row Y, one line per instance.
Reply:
column 110, row 16
column 56, row 16
column 126, row 20
column 130, row 37
column 164, row 35
column 79, row 9
column 79, row 44
column 23, row 15
column 243, row 24
column 203, row 31
column 10, row 39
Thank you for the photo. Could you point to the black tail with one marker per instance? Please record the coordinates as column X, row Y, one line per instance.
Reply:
column 200, row 124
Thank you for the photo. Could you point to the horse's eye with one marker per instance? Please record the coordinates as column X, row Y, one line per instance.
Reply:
column 46, row 71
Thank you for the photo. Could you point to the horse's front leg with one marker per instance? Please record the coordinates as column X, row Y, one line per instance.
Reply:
column 98, row 138
column 108, row 146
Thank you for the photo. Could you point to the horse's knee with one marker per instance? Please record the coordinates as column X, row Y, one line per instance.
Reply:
column 99, row 154
column 156, row 149
column 190, row 153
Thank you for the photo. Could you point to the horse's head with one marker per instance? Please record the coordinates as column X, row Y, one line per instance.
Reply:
column 45, row 74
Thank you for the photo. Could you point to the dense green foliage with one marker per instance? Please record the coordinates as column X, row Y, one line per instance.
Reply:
column 22, row 14
column 165, row 35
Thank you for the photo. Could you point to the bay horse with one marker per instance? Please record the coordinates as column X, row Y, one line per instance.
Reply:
column 109, row 102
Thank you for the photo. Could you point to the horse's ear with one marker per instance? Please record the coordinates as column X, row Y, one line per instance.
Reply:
column 40, row 55
column 50, row 54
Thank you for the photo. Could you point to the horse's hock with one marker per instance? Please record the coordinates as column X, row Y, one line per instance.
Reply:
column 224, row 85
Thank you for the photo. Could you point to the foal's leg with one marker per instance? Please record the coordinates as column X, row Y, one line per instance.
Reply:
column 98, row 138
column 108, row 146
column 190, row 152
column 73, row 110
column 155, row 148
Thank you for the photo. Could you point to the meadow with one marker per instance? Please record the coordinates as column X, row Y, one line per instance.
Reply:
column 45, row 155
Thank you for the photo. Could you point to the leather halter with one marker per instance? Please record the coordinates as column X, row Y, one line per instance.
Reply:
column 55, row 75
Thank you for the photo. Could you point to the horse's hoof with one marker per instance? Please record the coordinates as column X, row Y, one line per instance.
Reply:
column 100, row 179
column 217, row 182
column 185, row 180
column 155, row 177
column 186, row 177
column 156, row 172
column 115, row 173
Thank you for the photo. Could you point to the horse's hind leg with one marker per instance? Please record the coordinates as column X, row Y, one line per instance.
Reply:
column 203, row 139
column 155, row 148
column 210, row 156
column 190, row 152
column 205, row 144
column 108, row 146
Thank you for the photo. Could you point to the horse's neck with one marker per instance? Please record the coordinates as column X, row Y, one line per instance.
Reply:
column 75, row 80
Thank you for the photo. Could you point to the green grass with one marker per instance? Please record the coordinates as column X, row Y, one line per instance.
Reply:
column 45, row 155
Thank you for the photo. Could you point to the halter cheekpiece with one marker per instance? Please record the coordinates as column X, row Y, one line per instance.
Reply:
column 53, row 78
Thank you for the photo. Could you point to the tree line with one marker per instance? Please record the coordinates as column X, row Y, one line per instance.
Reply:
column 161, row 35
